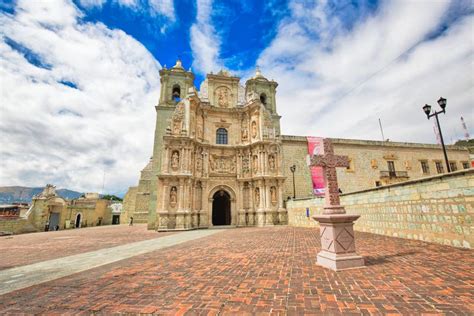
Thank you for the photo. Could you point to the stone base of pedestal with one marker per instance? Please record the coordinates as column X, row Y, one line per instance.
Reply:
column 339, row 262
column 338, row 250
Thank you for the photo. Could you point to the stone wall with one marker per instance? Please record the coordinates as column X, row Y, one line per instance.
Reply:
column 16, row 226
column 436, row 209
column 369, row 160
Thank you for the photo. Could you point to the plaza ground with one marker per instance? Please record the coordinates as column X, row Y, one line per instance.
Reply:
column 249, row 270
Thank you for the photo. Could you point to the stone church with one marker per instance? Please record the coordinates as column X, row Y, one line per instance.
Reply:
column 217, row 155
column 219, row 158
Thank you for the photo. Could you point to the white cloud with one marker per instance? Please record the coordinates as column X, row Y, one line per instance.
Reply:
column 92, row 3
column 54, row 133
column 164, row 7
column 156, row 7
column 205, row 43
column 337, row 81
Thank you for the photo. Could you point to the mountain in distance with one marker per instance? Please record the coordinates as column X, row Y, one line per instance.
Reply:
column 18, row 194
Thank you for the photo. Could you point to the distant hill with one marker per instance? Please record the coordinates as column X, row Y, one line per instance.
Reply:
column 15, row 194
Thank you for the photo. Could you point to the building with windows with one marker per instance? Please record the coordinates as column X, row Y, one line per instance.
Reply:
column 219, row 157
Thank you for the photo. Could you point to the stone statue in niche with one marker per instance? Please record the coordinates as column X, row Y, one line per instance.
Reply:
column 254, row 129
column 271, row 162
column 245, row 133
column 257, row 197
column 255, row 163
column 175, row 160
column 173, row 196
column 198, row 165
column 273, row 195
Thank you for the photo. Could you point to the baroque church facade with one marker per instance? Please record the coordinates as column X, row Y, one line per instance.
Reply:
column 217, row 157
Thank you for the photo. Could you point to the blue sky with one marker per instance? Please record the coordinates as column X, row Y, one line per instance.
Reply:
column 80, row 78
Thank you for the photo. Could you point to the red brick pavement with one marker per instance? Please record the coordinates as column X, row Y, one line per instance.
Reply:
column 264, row 270
column 25, row 249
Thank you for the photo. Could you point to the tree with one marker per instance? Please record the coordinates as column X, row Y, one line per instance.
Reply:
column 111, row 197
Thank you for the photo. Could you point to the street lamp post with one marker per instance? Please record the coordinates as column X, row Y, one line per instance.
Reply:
column 293, row 169
column 427, row 110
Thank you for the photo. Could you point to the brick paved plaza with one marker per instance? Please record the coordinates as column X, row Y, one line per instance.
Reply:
column 251, row 270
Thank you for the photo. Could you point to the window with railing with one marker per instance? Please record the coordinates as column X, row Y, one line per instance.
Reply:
column 391, row 168
column 439, row 167
column 465, row 165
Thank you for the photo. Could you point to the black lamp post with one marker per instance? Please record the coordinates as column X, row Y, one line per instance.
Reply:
column 293, row 169
column 427, row 110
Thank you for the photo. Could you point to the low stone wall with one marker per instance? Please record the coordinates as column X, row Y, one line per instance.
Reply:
column 16, row 226
column 436, row 209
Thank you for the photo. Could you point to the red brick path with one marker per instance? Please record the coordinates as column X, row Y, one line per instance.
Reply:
column 25, row 249
column 264, row 270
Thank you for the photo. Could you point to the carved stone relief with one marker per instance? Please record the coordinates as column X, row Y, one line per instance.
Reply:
column 223, row 97
column 177, row 119
column 245, row 164
column 222, row 164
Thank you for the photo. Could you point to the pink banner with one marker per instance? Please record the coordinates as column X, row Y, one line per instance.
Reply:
column 315, row 147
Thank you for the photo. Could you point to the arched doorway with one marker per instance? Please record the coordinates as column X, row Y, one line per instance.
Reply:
column 78, row 220
column 221, row 208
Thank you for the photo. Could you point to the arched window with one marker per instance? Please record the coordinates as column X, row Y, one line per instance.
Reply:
column 263, row 98
column 221, row 136
column 176, row 93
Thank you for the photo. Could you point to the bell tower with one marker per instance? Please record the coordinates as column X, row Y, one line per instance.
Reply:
column 263, row 89
column 175, row 83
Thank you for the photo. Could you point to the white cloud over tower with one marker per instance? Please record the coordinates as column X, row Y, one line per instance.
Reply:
column 337, row 81
column 76, row 98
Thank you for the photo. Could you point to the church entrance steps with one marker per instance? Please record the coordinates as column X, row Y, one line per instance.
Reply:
column 25, row 276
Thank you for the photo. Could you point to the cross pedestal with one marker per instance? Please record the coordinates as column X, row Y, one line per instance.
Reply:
column 336, row 227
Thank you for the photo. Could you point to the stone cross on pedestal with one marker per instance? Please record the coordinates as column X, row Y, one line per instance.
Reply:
column 336, row 227
column 330, row 162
